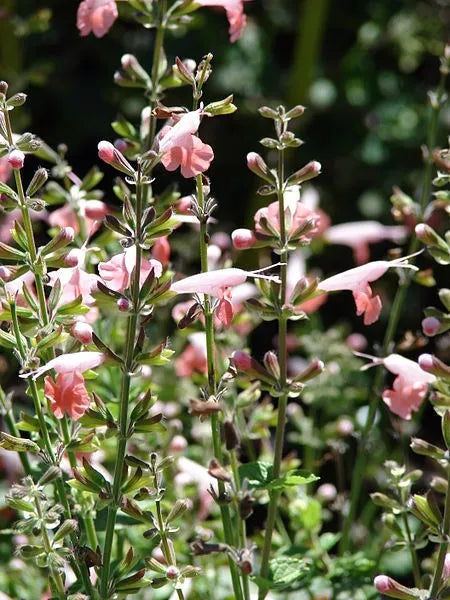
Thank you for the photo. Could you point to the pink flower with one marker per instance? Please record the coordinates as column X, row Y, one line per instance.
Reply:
column 296, row 213
column 360, row 234
column 192, row 472
column 357, row 281
column 243, row 239
column 431, row 326
column 97, row 16
column 5, row 169
column 75, row 282
column 91, row 211
column 161, row 250
column 193, row 358
column 117, row 271
column 69, row 363
column 82, row 332
column 410, row 386
column 181, row 148
column 235, row 15
column 67, row 395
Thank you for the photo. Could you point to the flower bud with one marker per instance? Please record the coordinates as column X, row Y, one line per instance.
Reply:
column 82, row 332
column 178, row 444
column 309, row 171
column 314, row 369
column 326, row 492
column 121, row 145
column 172, row 572
column 39, row 179
column 123, row 304
column 295, row 112
column 17, row 100
column 106, row 152
column 428, row 236
column 345, row 427
column 230, row 434
column 243, row 239
column 3, row 87
column 5, row 273
column 16, row 158
column 72, row 258
column 268, row 113
column 389, row 587
column 356, row 341
column 271, row 363
column 257, row 165
column 95, row 209
column 431, row 364
column 242, row 361
column 431, row 326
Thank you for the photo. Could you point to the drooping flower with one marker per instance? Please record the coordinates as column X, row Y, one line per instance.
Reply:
column 69, row 363
column 410, row 385
column 357, row 280
column 97, row 16
column 117, row 271
column 68, row 394
column 181, row 148
column 235, row 14
column 359, row 234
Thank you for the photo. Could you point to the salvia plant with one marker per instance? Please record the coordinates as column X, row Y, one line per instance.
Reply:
column 160, row 456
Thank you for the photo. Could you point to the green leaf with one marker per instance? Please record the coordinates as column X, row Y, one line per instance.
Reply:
column 258, row 473
column 283, row 572
column 293, row 478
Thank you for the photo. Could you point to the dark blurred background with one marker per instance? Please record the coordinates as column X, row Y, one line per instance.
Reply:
column 362, row 68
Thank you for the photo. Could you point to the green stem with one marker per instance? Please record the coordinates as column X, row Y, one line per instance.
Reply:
column 9, row 418
column 164, row 542
column 215, row 424
column 282, row 403
column 158, row 48
column 124, row 397
column 412, row 550
column 59, row 584
column 437, row 578
column 241, row 527
column 394, row 317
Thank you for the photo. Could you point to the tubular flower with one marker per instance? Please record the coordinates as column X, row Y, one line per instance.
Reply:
column 357, row 280
column 181, row 148
column 67, row 395
column 235, row 15
column 75, row 281
column 360, row 234
column 117, row 271
column 96, row 16
column 69, row 363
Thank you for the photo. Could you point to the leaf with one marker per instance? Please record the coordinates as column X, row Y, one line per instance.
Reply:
column 258, row 474
column 293, row 478
column 283, row 572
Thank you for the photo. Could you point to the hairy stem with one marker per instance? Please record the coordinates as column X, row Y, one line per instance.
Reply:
column 241, row 526
column 215, row 424
column 282, row 403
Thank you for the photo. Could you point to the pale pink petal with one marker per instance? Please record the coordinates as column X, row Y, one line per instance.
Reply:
column 97, row 16
column 211, row 283
column 68, row 363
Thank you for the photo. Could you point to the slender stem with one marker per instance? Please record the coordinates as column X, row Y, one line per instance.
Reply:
column 414, row 559
column 394, row 317
column 282, row 403
column 124, row 397
column 242, row 530
column 9, row 418
column 437, row 578
column 215, row 424
column 48, row 550
column 164, row 542
column 157, row 51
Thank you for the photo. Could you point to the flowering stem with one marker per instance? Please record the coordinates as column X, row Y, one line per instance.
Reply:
column 240, row 522
column 159, row 42
column 437, row 578
column 414, row 560
column 164, row 542
column 282, row 403
column 215, row 424
column 394, row 317
column 124, row 397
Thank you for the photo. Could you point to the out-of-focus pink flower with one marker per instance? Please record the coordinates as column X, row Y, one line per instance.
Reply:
column 92, row 211
column 69, row 363
column 446, row 570
column 67, row 395
column 356, row 341
column 359, row 234
column 5, row 169
column 431, row 326
column 97, row 16
column 224, row 311
column 161, row 250
column 191, row 472
column 357, row 281
column 410, row 385
column 296, row 213
column 75, row 282
column 235, row 14
column 117, row 271
column 181, row 148
column 193, row 358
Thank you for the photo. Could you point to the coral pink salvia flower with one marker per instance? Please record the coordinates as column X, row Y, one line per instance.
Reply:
column 296, row 213
column 360, row 234
column 67, row 395
column 69, row 363
column 161, row 250
column 357, row 280
column 116, row 273
column 181, row 148
column 75, row 281
column 235, row 14
column 97, row 16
